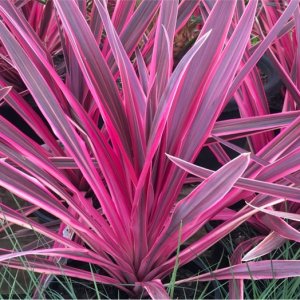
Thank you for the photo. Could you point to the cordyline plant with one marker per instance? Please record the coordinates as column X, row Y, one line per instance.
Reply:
column 121, row 127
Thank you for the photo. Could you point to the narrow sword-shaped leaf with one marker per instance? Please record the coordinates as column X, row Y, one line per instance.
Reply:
column 96, row 24
column 161, row 62
column 236, row 287
column 96, row 73
column 278, row 214
column 135, row 28
column 198, row 206
column 282, row 168
column 4, row 92
column 25, row 187
column 219, row 85
column 137, row 217
column 155, row 289
column 36, row 169
column 122, row 12
column 269, row 243
column 206, row 104
column 268, row 188
column 198, row 247
column 76, row 253
column 203, row 199
column 134, row 98
column 187, row 100
column 7, row 8
column 47, row 267
column 262, row 47
column 15, row 21
column 143, row 72
column 274, row 149
column 57, row 118
column 266, row 269
column 94, row 134
column 32, row 119
column 251, row 124
column 185, row 10
column 286, row 79
column 11, row 215
column 281, row 227
column 108, row 157
column 212, row 237
column 165, row 106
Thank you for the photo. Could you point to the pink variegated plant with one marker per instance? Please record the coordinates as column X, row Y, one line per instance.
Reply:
column 121, row 127
column 38, row 21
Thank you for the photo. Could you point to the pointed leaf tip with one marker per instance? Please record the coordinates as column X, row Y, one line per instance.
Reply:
column 246, row 155
column 5, row 91
column 155, row 289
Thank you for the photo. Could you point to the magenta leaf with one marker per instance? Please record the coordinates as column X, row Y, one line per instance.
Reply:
column 236, row 287
column 274, row 269
column 268, row 244
column 277, row 190
column 95, row 70
column 4, row 92
column 198, row 206
column 263, row 46
column 118, row 125
column 155, row 289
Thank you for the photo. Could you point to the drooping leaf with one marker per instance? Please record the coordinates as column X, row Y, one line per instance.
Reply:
column 268, row 244
column 269, row 269
column 273, row 189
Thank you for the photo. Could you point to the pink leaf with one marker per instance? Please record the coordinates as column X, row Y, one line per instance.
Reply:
column 266, row 269
column 96, row 72
column 4, row 92
column 192, row 211
column 279, row 214
column 133, row 94
column 273, row 189
column 271, row 242
column 236, row 287
column 252, row 124
column 155, row 289
column 262, row 47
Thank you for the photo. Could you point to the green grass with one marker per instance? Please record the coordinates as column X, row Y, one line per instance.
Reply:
column 64, row 287
column 171, row 286
column 253, row 289
column 262, row 289
column 277, row 288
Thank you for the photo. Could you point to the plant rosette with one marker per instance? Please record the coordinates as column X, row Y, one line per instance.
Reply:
column 129, row 126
